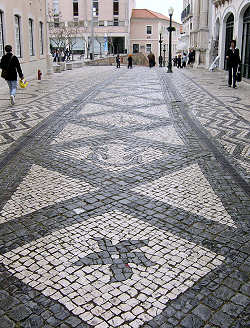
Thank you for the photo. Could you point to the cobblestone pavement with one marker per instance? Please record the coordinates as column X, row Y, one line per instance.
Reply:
column 121, row 207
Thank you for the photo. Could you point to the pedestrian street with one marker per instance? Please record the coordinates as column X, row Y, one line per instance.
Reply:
column 124, row 202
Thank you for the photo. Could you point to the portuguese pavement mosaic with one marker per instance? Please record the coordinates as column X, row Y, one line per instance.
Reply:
column 120, row 206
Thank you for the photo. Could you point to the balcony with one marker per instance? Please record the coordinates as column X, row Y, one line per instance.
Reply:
column 186, row 13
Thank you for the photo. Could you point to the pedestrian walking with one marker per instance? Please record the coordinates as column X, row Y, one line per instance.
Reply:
column 151, row 60
column 175, row 61
column 56, row 56
column 184, row 60
column 179, row 62
column 10, row 67
column 130, row 61
column 233, row 62
column 118, row 61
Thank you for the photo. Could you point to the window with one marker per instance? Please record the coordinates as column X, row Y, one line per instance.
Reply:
column 148, row 48
column 1, row 35
column 116, row 21
column 135, row 48
column 56, row 7
column 41, row 38
column 116, row 7
column 95, row 8
column 56, row 21
column 18, row 36
column 75, row 8
column 101, row 23
column 31, row 37
column 149, row 29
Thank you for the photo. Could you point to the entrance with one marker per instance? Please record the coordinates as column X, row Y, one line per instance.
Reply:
column 229, row 35
column 246, row 45
column 117, row 45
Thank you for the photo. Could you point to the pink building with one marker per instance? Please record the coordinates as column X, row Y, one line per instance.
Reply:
column 146, row 27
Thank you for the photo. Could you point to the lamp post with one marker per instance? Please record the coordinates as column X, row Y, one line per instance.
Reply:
column 170, row 29
column 164, row 55
column 161, row 41
column 92, row 53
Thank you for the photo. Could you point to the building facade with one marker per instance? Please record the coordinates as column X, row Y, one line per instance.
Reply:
column 23, row 24
column 197, row 23
column 231, row 20
column 146, row 27
column 107, row 22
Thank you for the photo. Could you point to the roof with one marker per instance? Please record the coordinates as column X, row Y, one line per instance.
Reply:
column 146, row 13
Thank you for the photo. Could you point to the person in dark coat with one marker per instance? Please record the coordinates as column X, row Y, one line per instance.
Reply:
column 130, row 61
column 151, row 60
column 179, row 62
column 233, row 62
column 10, row 64
column 118, row 61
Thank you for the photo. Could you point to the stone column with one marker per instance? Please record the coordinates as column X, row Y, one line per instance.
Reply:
column 204, row 14
column 196, row 14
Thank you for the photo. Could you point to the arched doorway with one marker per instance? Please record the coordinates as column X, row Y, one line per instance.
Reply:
column 246, row 44
column 229, row 34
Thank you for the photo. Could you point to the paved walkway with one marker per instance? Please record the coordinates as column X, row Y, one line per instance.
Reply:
column 124, row 202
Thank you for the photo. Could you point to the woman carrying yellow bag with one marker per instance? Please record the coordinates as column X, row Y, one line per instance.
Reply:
column 23, row 84
column 10, row 67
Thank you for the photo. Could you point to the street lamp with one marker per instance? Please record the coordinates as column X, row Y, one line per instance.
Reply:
column 170, row 29
column 161, row 41
column 92, row 53
column 164, row 55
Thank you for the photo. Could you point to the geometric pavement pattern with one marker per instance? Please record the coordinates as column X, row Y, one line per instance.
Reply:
column 227, row 126
column 44, row 99
column 107, row 221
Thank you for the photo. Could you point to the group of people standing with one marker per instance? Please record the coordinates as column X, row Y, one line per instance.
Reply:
column 182, row 60
column 118, row 61
column 61, row 55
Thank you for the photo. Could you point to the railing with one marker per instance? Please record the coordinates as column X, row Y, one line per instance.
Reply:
column 186, row 12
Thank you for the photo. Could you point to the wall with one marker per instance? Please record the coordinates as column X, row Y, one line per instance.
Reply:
column 35, row 10
column 105, row 14
column 139, row 35
column 220, row 15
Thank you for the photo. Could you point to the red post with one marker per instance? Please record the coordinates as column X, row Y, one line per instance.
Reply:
column 39, row 75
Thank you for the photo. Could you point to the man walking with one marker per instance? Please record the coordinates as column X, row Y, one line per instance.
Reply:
column 10, row 67
column 130, row 62
column 118, row 61
column 233, row 61
column 151, row 60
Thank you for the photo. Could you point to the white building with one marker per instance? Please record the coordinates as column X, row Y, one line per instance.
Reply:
column 196, row 19
column 231, row 21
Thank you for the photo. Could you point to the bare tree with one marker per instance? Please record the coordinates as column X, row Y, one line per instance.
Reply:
column 100, row 42
column 63, row 36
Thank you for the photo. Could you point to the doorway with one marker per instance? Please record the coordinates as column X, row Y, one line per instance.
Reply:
column 229, row 35
column 246, row 45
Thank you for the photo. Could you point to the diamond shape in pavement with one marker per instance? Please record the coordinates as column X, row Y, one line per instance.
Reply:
column 175, row 265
